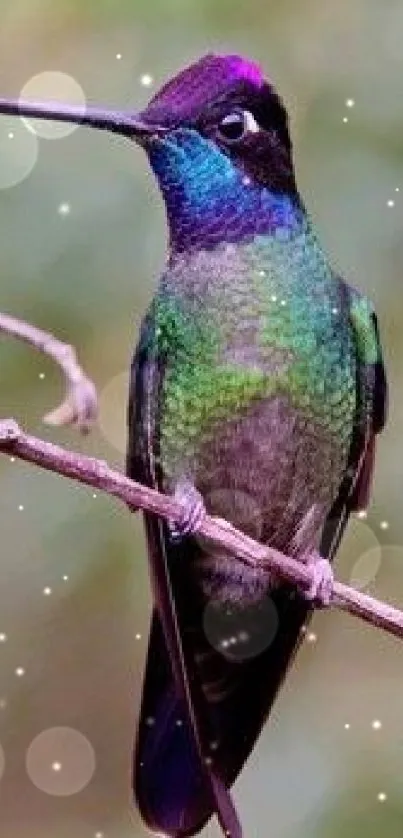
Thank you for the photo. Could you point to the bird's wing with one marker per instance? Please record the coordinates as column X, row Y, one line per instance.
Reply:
column 176, row 786
column 371, row 413
column 194, row 697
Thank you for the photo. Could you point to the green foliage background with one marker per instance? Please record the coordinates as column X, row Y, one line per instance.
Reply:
column 88, row 277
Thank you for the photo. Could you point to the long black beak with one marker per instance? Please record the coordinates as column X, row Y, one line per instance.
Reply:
column 119, row 122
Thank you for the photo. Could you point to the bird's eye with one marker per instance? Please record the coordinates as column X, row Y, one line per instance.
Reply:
column 235, row 125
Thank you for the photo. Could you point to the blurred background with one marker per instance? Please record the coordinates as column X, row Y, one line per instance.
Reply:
column 81, row 245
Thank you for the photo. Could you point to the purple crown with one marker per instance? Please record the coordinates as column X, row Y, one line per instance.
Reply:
column 203, row 82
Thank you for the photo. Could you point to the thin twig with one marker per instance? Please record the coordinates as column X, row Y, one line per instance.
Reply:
column 96, row 473
column 80, row 405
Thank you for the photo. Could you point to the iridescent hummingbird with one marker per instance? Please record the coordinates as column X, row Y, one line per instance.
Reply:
column 257, row 390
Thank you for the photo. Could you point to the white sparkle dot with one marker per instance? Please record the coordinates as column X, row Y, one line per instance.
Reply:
column 146, row 80
column 21, row 507
column 246, row 180
column 65, row 578
column 11, row 135
column 3, row 637
column 391, row 202
column 208, row 760
column 214, row 745
column 397, row 189
column 362, row 514
column 64, row 209
column 384, row 525
column 12, row 459
column 347, row 726
column 41, row 375
column 312, row 637
column 179, row 722
column 95, row 495
column 335, row 310
column 47, row 591
column 273, row 298
column 99, row 835
column 262, row 273
column 150, row 721
column 345, row 118
column 20, row 671
column 350, row 103
column 138, row 636
column 283, row 303
column 376, row 724
column 119, row 56
column 382, row 797
column 303, row 629
column 56, row 766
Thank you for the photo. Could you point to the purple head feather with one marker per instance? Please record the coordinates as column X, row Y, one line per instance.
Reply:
column 201, row 83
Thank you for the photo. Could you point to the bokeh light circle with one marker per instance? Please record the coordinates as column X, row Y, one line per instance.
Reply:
column 60, row 761
column 367, row 552
column 52, row 86
column 366, row 568
column 112, row 420
column 241, row 633
column 18, row 152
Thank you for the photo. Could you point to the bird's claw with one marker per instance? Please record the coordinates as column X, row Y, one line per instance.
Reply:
column 321, row 587
column 194, row 512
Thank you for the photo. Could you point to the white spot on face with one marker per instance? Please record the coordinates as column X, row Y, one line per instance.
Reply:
column 345, row 119
column 312, row 637
column 376, row 724
column 250, row 123
column 3, row 637
column 347, row 726
column 47, row 591
column 391, row 202
column 20, row 671
column 382, row 797
column 350, row 103
column 384, row 525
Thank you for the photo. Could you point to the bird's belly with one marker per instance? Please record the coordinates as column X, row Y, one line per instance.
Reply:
column 267, row 472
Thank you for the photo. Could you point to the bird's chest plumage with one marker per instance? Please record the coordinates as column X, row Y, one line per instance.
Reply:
column 258, row 393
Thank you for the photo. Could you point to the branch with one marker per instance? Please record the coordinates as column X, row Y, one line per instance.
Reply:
column 96, row 473
column 80, row 406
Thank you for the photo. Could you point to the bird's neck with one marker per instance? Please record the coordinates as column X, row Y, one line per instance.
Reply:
column 209, row 201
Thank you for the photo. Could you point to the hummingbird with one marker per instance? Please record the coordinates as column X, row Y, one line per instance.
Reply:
column 257, row 391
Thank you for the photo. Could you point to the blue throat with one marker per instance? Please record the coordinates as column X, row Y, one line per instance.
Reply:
column 209, row 200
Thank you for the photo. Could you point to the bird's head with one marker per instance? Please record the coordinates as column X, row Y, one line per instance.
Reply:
column 218, row 141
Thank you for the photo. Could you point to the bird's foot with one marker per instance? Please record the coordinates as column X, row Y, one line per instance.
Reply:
column 321, row 587
column 194, row 511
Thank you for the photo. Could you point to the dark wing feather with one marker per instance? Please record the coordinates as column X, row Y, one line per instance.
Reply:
column 371, row 414
column 175, row 785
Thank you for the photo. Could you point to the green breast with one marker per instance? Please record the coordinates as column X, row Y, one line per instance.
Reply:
column 241, row 325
